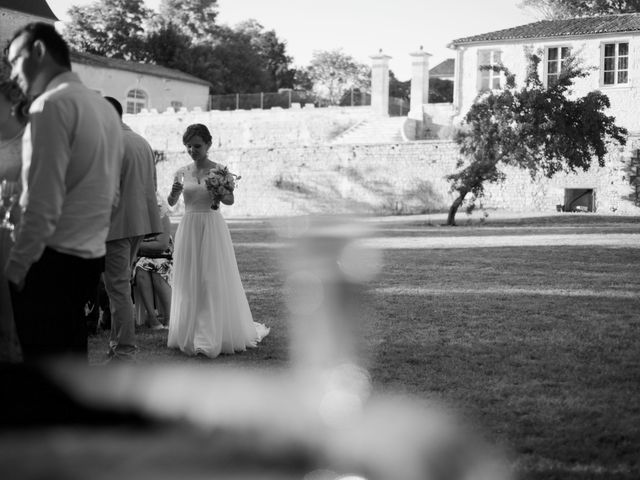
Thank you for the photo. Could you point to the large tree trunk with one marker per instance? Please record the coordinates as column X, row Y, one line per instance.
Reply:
column 451, row 219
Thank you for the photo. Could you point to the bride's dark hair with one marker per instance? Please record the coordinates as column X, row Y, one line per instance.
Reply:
column 197, row 129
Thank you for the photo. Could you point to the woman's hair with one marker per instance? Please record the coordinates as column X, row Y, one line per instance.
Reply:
column 197, row 129
column 10, row 90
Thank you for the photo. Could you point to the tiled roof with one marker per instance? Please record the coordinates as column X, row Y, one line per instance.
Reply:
column 136, row 67
column 443, row 69
column 39, row 8
column 627, row 22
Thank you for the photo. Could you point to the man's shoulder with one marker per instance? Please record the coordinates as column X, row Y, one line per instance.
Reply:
column 132, row 136
column 136, row 143
column 69, row 94
column 66, row 89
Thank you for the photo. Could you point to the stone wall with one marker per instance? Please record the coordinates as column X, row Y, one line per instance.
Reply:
column 249, row 128
column 438, row 120
column 610, row 183
column 399, row 178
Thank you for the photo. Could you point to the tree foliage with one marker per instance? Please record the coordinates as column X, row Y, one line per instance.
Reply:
column 559, row 9
column 302, row 80
column 195, row 18
column 232, row 64
column 543, row 130
column 333, row 73
column 167, row 45
column 440, row 90
column 271, row 50
column 239, row 67
column 112, row 28
column 398, row 88
column 184, row 36
column 244, row 59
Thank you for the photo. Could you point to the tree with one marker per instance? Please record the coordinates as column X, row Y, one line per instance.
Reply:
column 166, row 45
column 196, row 18
column 440, row 90
column 184, row 36
column 273, row 52
column 203, row 62
column 559, row 9
column 112, row 28
column 333, row 73
column 244, row 59
column 542, row 130
column 230, row 67
column 302, row 80
column 399, row 89
column 236, row 65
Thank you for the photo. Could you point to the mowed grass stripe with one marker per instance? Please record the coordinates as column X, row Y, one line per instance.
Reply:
column 562, row 292
column 479, row 241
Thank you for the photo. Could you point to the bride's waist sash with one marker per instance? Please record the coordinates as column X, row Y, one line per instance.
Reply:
column 199, row 209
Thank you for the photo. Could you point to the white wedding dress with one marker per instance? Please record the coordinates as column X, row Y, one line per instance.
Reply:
column 209, row 309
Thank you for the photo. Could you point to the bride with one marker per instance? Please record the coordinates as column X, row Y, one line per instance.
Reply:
column 209, row 309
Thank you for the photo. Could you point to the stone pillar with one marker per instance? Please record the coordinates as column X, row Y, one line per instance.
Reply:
column 457, row 80
column 419, row 83
column 380, row 84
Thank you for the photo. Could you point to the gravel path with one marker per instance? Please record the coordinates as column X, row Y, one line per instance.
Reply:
column 627, row 240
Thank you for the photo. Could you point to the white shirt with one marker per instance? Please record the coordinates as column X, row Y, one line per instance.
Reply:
column 72, row 155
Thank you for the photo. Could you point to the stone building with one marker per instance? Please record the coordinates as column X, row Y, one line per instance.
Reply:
column 140, row 86
column 17, row 13
column 445, row 70
column 608, row 44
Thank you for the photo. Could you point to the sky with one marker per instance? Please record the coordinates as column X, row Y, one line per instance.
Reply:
column 362, row 27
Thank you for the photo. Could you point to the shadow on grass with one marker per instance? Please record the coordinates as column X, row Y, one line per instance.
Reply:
column 538, row 344
column 535, row 220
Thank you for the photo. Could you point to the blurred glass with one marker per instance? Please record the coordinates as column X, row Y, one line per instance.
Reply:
column 9, row 193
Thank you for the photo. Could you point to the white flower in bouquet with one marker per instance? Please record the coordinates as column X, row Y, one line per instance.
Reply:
column 220, row 182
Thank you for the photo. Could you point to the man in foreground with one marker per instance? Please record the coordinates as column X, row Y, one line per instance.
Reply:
column 72, row 152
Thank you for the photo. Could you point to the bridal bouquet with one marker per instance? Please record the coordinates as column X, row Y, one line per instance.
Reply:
column 220, row 181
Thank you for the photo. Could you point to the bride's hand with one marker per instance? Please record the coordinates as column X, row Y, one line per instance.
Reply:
column 176, row 189
column 228, row 198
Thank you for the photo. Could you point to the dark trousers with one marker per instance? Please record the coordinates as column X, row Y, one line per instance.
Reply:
column 49, row 310
column 99, row 301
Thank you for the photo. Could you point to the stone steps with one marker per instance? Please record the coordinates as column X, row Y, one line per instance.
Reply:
column 374, row 130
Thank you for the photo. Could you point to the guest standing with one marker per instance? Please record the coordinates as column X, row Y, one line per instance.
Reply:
column 12, row 123
column 209, row 309
column 135, row 216
column 72, row 152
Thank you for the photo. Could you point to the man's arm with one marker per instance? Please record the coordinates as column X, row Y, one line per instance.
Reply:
column 51, row 152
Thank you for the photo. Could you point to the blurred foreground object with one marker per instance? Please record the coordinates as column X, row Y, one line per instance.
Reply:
column 321, row 420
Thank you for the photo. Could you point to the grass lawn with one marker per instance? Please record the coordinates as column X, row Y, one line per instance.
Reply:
column 530, row 326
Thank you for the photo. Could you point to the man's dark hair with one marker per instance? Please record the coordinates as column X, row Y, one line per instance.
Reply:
column 116, row 104
column 47, row 34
